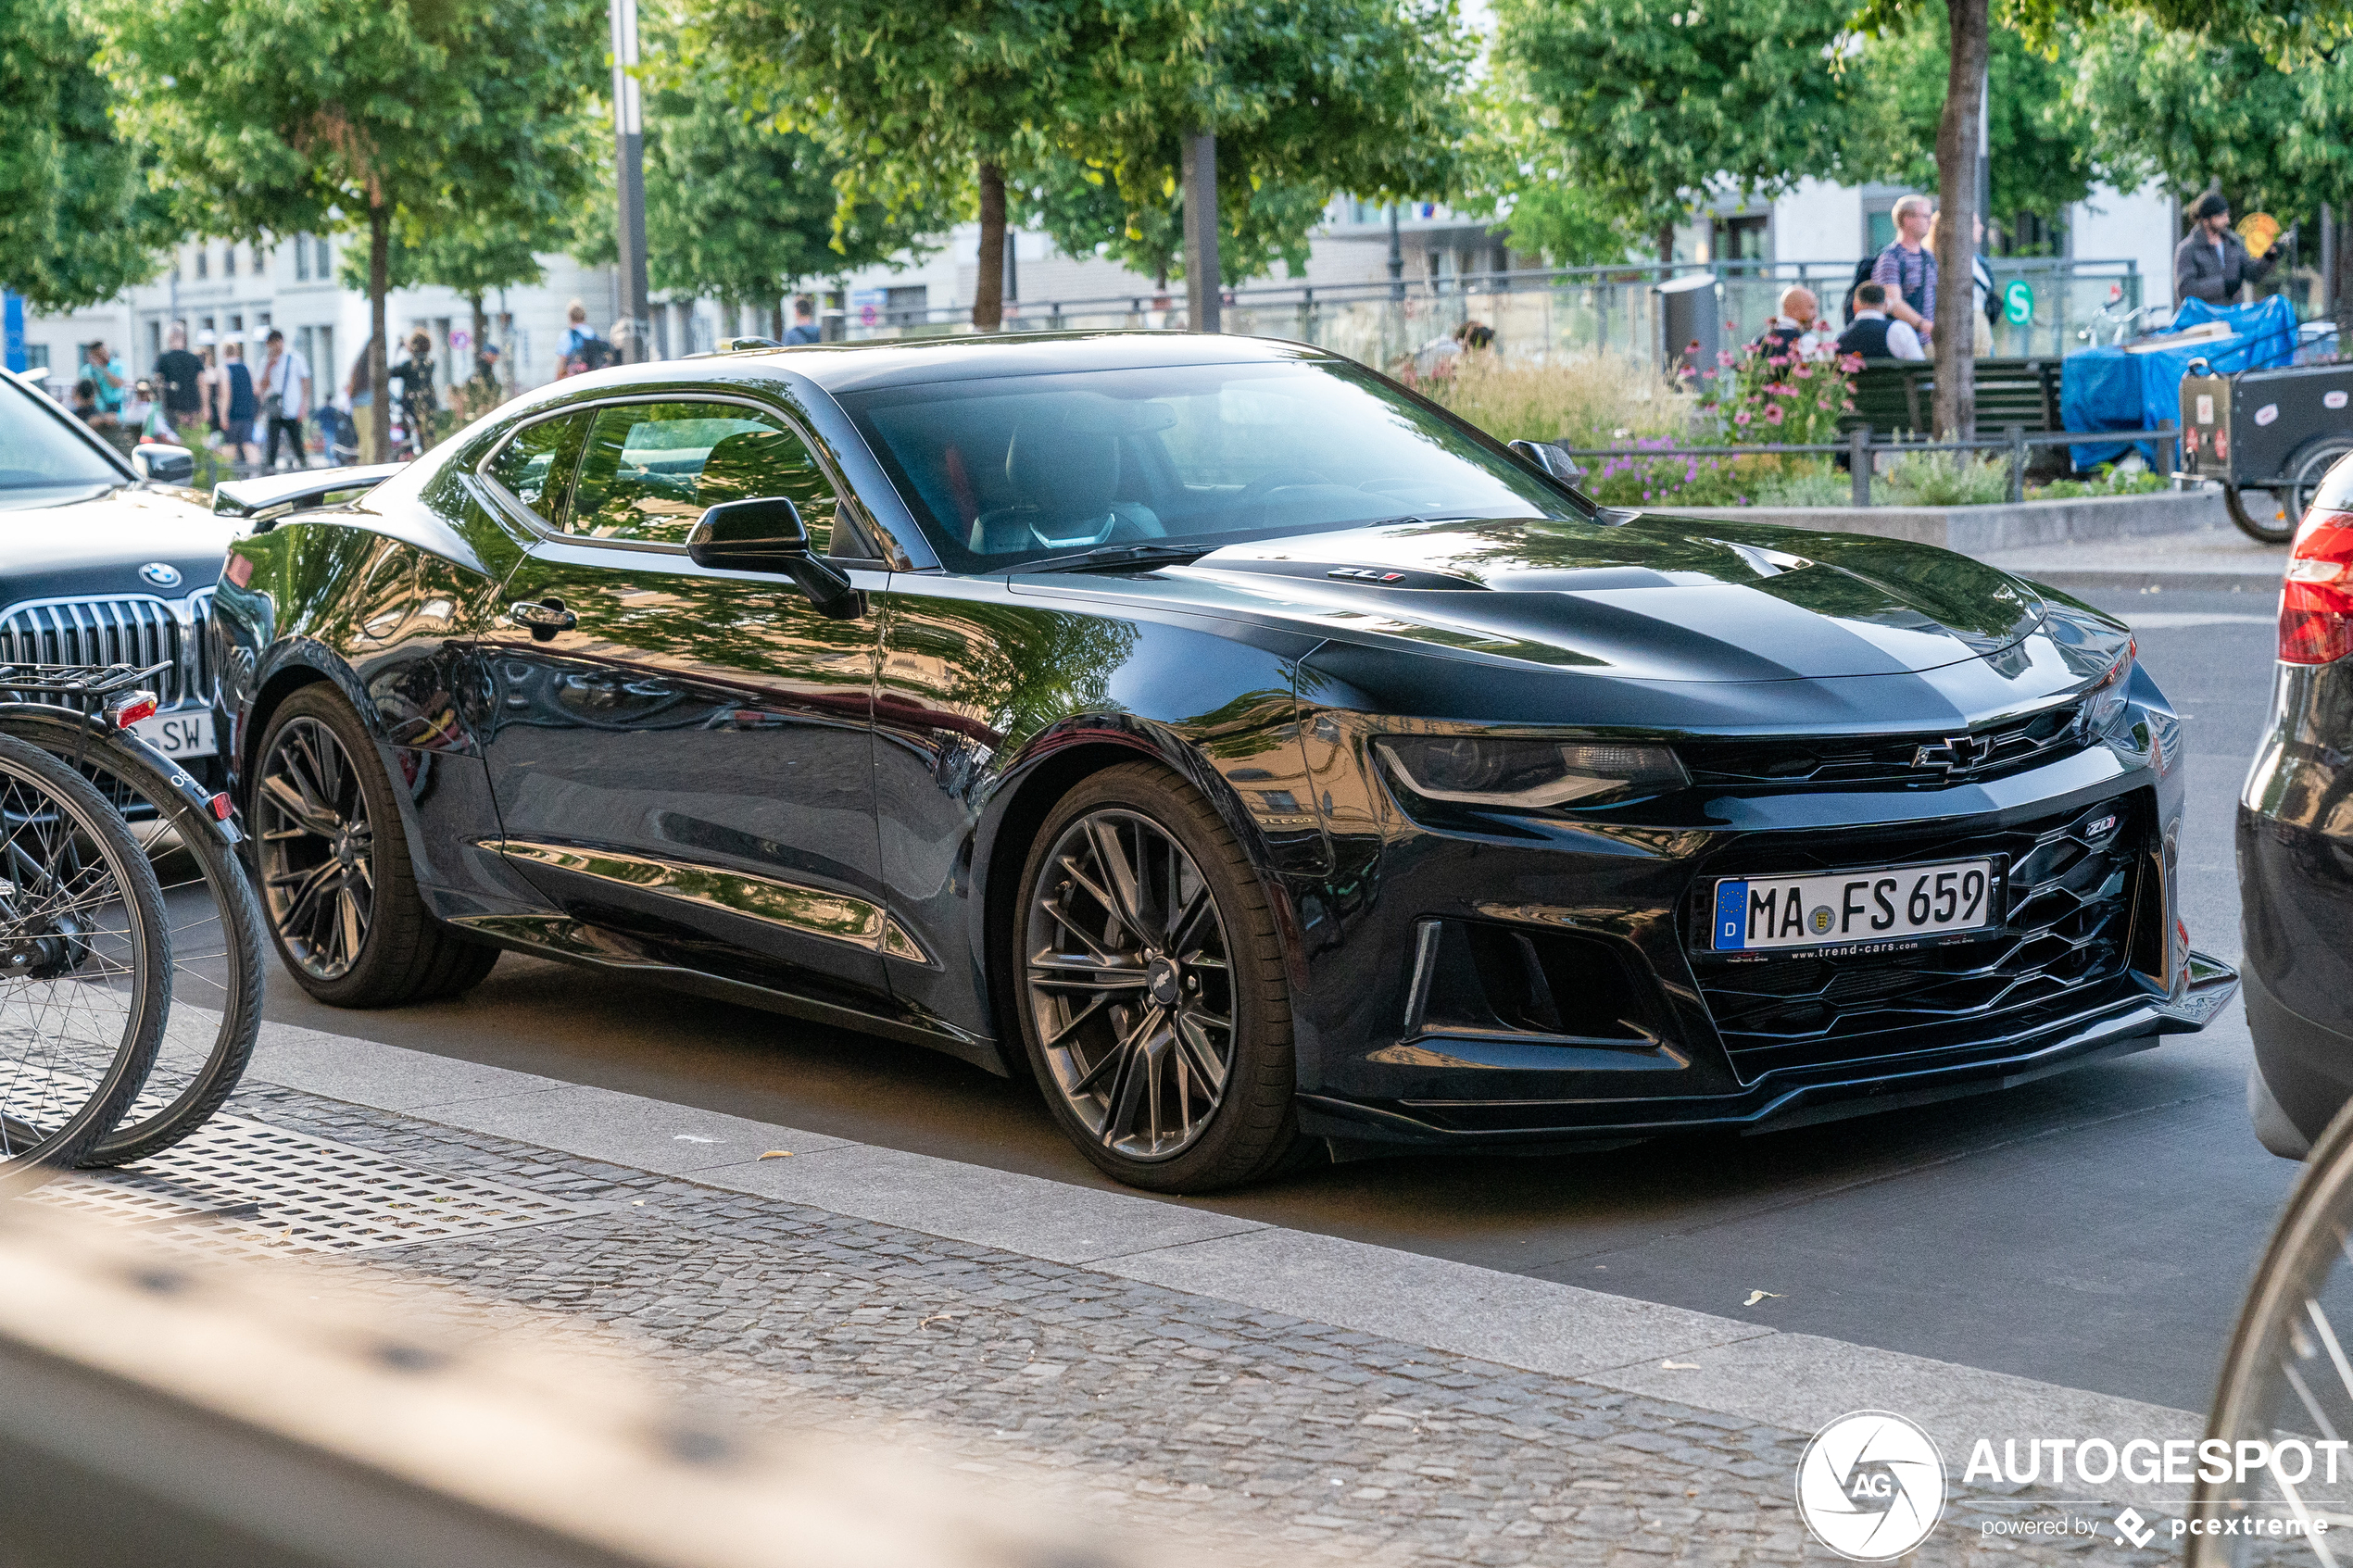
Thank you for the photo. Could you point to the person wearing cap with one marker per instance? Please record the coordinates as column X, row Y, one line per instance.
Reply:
column 2212, row 263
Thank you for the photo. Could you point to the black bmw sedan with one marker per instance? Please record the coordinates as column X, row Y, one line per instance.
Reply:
column 1264, row 760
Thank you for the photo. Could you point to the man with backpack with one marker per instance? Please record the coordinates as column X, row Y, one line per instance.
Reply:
column 1907, row 269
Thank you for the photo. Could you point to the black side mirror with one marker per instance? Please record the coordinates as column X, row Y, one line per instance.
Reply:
column 160, row 464
column 766, row 534
column 1551, row 458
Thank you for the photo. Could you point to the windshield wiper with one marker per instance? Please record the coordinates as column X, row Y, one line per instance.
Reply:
column 1117, row 557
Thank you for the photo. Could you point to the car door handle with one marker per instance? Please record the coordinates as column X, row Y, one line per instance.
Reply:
column 546, row 617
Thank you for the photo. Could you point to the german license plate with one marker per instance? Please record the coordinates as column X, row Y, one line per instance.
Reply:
column 1847, row 908
column 185, row 734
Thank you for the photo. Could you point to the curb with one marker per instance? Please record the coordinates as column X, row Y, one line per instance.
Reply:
column 1793, row 1381
column 2029, row 525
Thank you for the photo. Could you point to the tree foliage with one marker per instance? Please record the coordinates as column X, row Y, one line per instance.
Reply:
column 2194, row 108
column 286, row 115
column 2037, row 135
column 1077, row 109
column 79, row 220
column 1642, row 108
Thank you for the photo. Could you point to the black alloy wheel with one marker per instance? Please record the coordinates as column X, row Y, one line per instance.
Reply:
column 337, row 881
column 318, row 849
column 1152, row 997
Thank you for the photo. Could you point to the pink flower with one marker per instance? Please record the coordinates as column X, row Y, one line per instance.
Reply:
column 1707, row 375
column 1773, row 415
column 1742, row 418
column 1724, row 358
column 1804, row 373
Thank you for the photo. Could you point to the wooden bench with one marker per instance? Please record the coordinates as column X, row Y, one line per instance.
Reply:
column 1894, row 396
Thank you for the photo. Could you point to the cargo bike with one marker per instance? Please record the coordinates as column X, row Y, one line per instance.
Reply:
column 2266, row 437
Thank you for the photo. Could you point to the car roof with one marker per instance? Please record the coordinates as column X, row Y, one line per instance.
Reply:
column 858, row 367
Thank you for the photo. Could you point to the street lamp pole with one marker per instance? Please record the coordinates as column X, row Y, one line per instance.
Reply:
column 629, row 135
column 1204, row 293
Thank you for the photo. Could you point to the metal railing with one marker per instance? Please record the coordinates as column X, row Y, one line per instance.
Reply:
column 1540, row 313
column 1862, row 453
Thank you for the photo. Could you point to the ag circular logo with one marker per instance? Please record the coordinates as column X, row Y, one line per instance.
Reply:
column 163, row 574
column 1820, row 920
column 1870, row 1486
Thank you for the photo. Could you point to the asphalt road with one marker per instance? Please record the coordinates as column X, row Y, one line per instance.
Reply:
column 2095, row 1230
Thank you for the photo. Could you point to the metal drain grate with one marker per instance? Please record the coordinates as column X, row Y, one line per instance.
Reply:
column 245, row 1187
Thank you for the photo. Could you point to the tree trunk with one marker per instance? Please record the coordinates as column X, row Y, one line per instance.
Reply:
column 379, row 362
column 1956, row 336
column 988, row 287
column 2341, row 286
column 777, row 320
column 481, row 341
column 1667, row 244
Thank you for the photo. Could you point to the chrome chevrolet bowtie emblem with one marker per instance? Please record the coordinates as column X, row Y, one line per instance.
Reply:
column 1953, row 754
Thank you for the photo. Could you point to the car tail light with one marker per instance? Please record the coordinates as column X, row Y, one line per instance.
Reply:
column 2316, row 603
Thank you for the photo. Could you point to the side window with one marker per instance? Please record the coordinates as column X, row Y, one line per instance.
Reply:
column 535, row 467
column 652, row 469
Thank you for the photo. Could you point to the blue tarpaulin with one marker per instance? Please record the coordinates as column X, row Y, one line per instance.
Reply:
column 2109, row 389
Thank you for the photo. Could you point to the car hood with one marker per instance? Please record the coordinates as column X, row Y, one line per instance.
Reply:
column 99, row 546
column 1658, row 597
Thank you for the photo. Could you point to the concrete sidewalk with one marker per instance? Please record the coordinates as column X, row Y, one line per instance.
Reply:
column 2207, row 560
column 1239, row 1383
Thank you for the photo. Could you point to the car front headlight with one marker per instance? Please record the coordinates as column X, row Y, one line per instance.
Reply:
column 2104, row 704
column 1528, row 774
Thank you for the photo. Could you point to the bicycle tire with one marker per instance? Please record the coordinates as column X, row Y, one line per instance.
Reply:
column 2259, row 520
column 66, row 858
column 217, row 941
column 2286, row 1372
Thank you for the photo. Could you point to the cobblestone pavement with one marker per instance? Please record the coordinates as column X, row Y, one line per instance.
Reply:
column 1249, row 1435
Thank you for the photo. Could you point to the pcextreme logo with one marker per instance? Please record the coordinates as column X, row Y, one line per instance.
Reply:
column 1870, row 1486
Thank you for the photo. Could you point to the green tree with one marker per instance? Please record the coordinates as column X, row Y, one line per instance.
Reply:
column 1306, row 99
column 1642, row 108
column 2040, row 156
column 287, row 115
column 79, row 221
column 740, row 207
column 2194, row 109
column 467, row 259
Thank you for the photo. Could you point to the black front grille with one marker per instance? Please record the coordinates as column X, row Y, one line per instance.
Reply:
column 133, row 628
column 1925, row 759
column 2064, row 950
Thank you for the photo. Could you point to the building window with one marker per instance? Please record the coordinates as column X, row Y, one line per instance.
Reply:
column 1742, row 239
column 204, row 261
column 36, row 356
column 302, row 258
column 228, row 261
column 325, row 258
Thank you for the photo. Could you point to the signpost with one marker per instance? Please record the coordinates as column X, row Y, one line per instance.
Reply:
column 2018, row 302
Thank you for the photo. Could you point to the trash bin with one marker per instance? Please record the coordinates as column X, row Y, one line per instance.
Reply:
column 1691, row 321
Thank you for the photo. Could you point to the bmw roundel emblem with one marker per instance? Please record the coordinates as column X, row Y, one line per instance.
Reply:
column 162, row 574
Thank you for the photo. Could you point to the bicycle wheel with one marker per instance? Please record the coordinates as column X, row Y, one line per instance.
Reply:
column 217, row 941
column 2287, row 1383
column 86, row 964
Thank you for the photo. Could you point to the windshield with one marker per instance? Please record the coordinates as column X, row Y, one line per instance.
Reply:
column 42, row 462
column 1004, row 469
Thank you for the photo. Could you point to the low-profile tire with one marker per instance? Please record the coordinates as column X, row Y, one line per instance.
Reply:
column 338, row 889
column 1146, row 972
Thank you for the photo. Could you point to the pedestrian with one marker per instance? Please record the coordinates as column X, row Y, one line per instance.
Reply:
column 183, row 374
column 285, row 398
column 106, row 376
column 211, row 390
column 86, row 406
column 804, row 323
column 1874, row 334
column 243, row 406
column 359, row 391
column 1797, row 328
column 418, row 404
column 485, row 391
column 2211, row 263
column 1907, row 269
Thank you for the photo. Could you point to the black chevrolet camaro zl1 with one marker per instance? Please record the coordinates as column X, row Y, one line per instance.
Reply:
column 1262, row 758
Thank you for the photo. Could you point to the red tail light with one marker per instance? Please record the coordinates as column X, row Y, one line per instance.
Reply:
column 2316, row 604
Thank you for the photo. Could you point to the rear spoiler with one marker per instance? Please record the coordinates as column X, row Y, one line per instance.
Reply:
column 272, row 496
